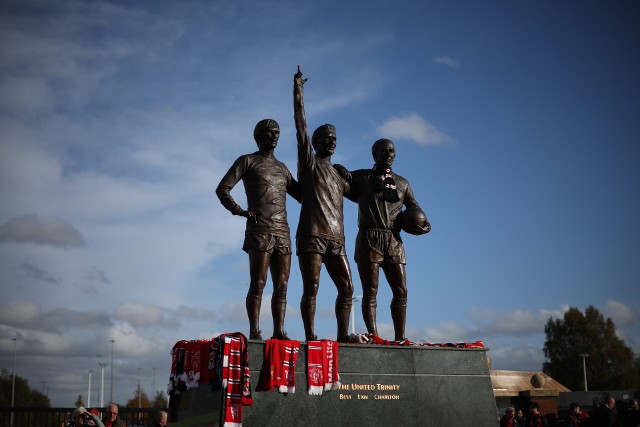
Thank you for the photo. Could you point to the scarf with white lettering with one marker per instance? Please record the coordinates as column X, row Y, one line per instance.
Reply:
column 384, row 183
column 322, row 366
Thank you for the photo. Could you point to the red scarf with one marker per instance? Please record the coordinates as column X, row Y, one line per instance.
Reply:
column 322, row 366
column 279, row 368
column 236, row 381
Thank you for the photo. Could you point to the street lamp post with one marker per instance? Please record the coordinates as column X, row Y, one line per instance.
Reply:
column 584, row 369
column 139, row 391
column 89, row 390
column 102, row 365
column 139, row 396
column 13, row 380
column 111, row 373
column 353, row 316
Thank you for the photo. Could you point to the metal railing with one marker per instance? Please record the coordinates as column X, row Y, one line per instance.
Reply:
column 58, row 417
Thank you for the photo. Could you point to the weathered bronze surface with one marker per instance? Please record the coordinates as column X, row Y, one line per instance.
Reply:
column 320, row 235
column 380, row 194
column 267, row 239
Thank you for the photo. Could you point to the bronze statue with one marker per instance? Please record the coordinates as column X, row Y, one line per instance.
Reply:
column 380, row 194
column 267, row 240
column 320, row 235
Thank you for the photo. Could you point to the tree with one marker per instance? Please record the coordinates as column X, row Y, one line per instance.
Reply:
column 79, row 401
column 610, row 363
column 140, row 399
column 160, row 401
column 24, row 396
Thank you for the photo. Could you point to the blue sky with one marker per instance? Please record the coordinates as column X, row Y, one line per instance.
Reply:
column 516, row 124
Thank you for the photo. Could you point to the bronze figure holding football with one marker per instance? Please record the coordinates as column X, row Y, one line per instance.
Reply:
column 380, row 194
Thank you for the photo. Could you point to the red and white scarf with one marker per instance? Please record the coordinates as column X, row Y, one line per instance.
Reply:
column 279, row 368
column 236, row 382
column 288, row 383
column 322, row 366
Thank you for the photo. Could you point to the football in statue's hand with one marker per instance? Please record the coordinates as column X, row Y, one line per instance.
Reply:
column 412, row 220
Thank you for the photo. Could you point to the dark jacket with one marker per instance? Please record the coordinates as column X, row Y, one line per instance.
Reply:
column 117, row 423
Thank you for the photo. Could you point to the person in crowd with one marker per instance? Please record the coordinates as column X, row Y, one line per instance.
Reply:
column 508, row 419
column 604, row 414
column 320, row 234
column 82, row 417
column 536, row 419
column 520, row 419
column 267, row 241
column 631, row 416
column 161, row 419
column 574, row 419
column 111, row 418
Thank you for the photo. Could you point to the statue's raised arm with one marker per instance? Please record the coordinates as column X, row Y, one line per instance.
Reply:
column 302, row 132
column 320, row 234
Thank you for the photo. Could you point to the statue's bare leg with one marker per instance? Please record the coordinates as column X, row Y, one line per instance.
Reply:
column 396, row 276
column 258, row 266
column 310, row 266
column 340, row 273
column 280, row 268
column 369, row 272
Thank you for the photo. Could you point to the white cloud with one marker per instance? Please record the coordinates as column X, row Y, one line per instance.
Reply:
column 443, row 333
column 446, row 60
column 24, row 94
column 19, row 313
column 141, row 315
column 29, row 228
column 412, row 127
column 488, row 324
column 94, row 274
column 521, row 357
column 34, row 272
column 513, row 323
column 621, row 314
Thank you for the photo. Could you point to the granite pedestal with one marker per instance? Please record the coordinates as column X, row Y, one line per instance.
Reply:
column 381, row 386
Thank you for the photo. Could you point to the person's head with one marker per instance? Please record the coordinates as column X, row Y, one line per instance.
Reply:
column 519, row 414
column 384, row 152
column 534, row 408
column 324, row 140
column 574, row 408
column 112, row 412
column 161, row 418
column 266, row 133
column 509, row 412
column 611, row 402
column 634, row 404
column 80, row 417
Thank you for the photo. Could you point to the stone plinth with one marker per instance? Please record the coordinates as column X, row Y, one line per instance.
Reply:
column 381, row 386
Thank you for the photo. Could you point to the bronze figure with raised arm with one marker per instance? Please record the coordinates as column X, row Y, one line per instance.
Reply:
column 267, row 239
column 320, row 234
column 380, row 194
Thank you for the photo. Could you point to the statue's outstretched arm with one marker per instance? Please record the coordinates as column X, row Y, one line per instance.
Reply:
column 302, row 132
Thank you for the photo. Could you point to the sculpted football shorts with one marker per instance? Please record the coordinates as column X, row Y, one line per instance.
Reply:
column 269, row 243
column 319, row 245
column 379, row 245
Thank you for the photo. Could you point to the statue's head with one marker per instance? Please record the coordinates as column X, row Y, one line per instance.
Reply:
column 384, row 152
column 324, row 140
column 264, row 129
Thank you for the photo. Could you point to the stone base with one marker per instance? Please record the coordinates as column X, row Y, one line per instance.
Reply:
column 381, row 386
